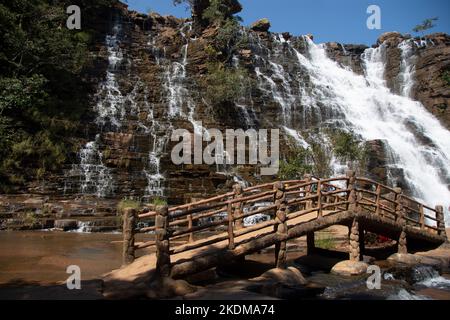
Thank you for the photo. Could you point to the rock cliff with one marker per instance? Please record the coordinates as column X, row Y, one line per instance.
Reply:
column 148, row 81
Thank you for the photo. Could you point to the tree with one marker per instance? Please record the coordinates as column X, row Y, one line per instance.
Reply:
column 425, row 25
column 42, row 92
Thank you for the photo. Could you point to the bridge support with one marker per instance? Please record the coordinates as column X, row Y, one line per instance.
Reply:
column 402, row 244
column 310, row 242
column 129, row 218
column 163, row 265
column 355, row 241
column 281, row 226
column 440, row 221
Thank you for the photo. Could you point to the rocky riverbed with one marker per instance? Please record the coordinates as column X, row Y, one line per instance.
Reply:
column 33, row 266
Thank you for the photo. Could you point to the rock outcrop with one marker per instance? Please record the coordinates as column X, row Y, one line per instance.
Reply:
column 262, row 25
column 164, row 61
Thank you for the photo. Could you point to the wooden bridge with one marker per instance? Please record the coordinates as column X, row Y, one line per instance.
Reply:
column 198, row 236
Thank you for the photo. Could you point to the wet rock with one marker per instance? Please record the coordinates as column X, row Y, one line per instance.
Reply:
column 289, row 276
column 390, row 38
column 262, row 25
column 412, row 259
column 350, row 268
column 286, row 36
column 66, row 224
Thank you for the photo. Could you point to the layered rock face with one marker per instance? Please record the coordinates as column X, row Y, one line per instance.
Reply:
column 148, row 79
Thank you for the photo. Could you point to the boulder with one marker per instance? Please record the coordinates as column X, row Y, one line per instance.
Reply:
column 290, row 276
column 262, row 25
column 393, row 38
column 412, row 259
column 350, row 268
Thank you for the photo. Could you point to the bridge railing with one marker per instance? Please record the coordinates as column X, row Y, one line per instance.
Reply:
column 229, row 220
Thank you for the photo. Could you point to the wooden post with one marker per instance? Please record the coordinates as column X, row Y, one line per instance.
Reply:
column 190, row 225
column 402, row 244
column 231, row 245
column 310, row 242
column 129, row 225
column 440, row 221
column 319, row 200
column 422, row 217
column 354, row 241
column 308, row 179
column 378, row 211
column 237, row 207
column 281, row 226
column 399, row 212
column 362, row 244
column 351, row 186
column 163, row 265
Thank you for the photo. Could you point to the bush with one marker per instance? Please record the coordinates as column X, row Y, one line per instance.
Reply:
column 224, row 85
column 127, row 204
column 298, row 163
column 159, row 202
column 315, row 160
column 349, row 148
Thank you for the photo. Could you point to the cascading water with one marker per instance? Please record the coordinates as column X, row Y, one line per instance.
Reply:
column 420, row 143
column 407, row 68
column 95, row 177
column 109, row 107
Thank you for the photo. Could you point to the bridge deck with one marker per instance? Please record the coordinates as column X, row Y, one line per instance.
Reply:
column 208, row 256
column 294, row 209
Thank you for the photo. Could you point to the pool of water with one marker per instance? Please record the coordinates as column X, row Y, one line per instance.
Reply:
column 43, row 256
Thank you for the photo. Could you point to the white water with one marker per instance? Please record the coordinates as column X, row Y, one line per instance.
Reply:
column 407, row 68
column 373, row 112
column 110, row 107
column 95, row 177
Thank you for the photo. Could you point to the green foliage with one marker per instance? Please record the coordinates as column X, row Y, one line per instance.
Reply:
column 425, row 25
column 227, row 36
column 324, row 241
column 159, row 201
column 42, row 94
column 223, row 85
column 348, row 148
column 315, row 160
column 30, row 218
column 128, row 204
column 298, row 163
column 218, row 11
column 446, row 77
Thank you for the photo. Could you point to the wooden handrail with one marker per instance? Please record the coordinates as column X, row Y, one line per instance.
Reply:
column 307, row 196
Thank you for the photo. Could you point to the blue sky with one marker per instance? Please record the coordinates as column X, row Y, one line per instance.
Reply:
column 328, row 20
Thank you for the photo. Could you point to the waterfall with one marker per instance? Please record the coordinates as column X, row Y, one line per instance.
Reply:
column 95, row 177
column 407, row 68
column 110, row 108
column 420, row 143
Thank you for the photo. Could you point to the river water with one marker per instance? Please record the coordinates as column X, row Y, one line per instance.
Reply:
column 32, row 261
column 43, row 256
